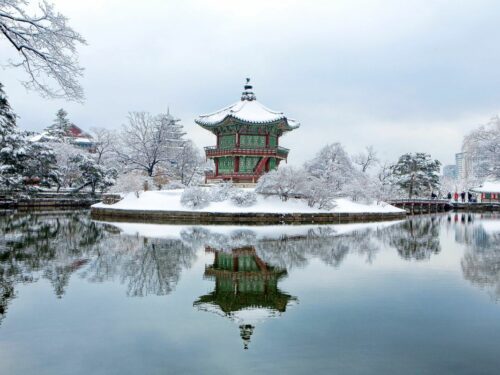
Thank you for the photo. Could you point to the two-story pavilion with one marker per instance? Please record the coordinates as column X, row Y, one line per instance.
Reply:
column 248, row 136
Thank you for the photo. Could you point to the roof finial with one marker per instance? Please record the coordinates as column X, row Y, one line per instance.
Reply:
column 248, row 94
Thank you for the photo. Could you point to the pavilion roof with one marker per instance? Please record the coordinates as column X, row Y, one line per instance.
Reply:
column 249, row 110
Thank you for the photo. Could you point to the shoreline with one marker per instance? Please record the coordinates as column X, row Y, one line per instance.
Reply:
column 197, row 217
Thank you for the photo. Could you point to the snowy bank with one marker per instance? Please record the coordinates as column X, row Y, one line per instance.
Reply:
column 165, row 206
column 170, row 200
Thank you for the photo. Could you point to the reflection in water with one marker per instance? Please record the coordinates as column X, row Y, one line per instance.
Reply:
column 246, row 289
column 416, row 238
column 248, row 262
column 55, row 246
column 481, row 261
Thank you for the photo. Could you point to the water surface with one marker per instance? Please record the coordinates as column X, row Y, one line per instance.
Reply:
column 419, row 296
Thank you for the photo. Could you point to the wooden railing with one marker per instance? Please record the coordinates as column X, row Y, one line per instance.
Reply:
column 418, row 201
column 214, row 151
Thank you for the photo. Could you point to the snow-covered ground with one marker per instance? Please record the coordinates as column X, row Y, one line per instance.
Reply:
column 170, row 200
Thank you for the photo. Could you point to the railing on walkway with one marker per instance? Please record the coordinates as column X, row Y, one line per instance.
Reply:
column 418, row 201
column 421, row 204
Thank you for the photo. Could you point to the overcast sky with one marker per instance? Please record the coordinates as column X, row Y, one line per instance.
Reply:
column 400, row 75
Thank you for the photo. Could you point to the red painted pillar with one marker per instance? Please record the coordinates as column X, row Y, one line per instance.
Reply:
column 236, row 163
column 237, row 139
column 267, row 140
column 216, row 166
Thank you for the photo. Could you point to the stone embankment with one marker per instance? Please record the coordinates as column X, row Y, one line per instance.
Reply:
column 193, row 217
column 48, row 200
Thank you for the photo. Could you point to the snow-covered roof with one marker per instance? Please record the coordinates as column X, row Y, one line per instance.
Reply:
column 81, row 140
column 248, row 109
column 43, row 136
column 488, row 187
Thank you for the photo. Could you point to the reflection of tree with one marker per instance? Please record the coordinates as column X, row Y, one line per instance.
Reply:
column 55, row 246
column 289, row 251
column 244, row 284
column 415, row 238
column 157, row 267
column 481, row 261
column 46, row 244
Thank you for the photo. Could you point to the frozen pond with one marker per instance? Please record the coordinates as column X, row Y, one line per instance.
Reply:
column 420, row 296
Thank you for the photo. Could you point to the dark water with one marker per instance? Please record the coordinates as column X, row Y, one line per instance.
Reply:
column 421, row 296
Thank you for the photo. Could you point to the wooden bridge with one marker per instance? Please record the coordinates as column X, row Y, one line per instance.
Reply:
column 419, row 205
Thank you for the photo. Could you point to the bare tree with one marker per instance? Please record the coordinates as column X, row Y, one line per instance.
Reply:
column 366, row 159
column 146, row 143
column 103, row 144
column 189, row 164
column 46, row 47
column 482, row 148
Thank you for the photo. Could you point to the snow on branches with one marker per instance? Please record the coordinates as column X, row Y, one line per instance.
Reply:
column 195, row 197
column 46, row 47
column 92, row 174
column 22, row 163
column 417, row 174
column 149, row 142
column 482, row 148
column 242, row 198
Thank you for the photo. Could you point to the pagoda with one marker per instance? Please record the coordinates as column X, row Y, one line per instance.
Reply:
column 246, row 289
column 247, row 139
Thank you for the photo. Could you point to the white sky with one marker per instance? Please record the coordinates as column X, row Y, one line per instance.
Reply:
column 411, row 75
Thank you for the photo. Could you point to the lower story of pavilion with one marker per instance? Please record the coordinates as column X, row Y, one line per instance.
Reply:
column 241, row 169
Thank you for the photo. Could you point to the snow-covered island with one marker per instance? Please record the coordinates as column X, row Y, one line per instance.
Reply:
column 237, row 205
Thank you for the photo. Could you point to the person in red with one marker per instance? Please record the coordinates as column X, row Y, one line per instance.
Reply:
column 455, row 196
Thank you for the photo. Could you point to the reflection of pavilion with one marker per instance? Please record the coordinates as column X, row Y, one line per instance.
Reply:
column 246, row 289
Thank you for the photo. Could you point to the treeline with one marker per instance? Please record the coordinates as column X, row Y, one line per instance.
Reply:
column 148, row 150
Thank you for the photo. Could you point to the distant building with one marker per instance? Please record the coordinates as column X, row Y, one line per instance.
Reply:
column 460, row 163
column 450, row 171
column 80, row 138
column 470, row 166
column 75, row 135
column 490, row 191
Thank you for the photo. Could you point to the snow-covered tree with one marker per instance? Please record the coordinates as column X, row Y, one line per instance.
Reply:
column 482, row 149
column 46, row 47
column 319, row 194
column 366, row 159
column 7, row 116
column 148, row 141
column 103, row 145
column 417, row 174
column 132, row 181
column 242, row 198
column 285, row 182
column 59, row 129
column 93, row 175
column 333, row 165
column 195, row 197
column 67, row 170
column 21, row 162
column 384, row 179
column 221, row 191
column 188, row 165
column 361, row 188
